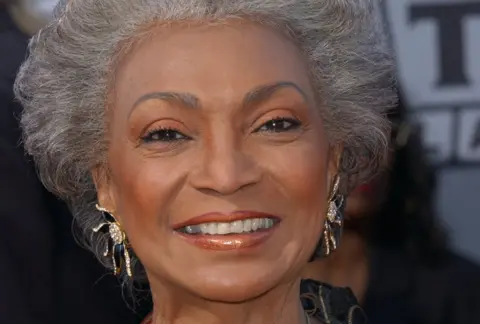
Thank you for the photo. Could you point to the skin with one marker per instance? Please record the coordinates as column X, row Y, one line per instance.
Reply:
column 222, row 156
column 349, row 265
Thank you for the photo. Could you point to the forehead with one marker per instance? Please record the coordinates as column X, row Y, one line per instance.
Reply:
column 218, row 63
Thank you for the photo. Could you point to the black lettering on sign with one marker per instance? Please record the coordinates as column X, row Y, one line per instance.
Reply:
column 468, row 130
column 475, row 141
column 433, row 152
column 449, row 19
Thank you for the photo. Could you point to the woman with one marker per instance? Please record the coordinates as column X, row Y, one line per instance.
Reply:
column 395, row 254
column 216, row 141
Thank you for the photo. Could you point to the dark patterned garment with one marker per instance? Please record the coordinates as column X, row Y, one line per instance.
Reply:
column 327, row 304
column 331, row 305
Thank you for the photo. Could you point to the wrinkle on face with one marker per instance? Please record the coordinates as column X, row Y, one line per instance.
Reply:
column 217, row 86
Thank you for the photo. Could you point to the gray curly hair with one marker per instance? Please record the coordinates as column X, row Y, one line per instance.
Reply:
column 64, row 83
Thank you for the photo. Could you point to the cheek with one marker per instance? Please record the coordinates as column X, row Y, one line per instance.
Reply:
column 302, row 170
column 306, row 177
column 143, row 189
column 300, row 175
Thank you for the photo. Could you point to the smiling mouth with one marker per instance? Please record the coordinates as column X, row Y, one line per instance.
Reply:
column 239, row 230
column 244, row 226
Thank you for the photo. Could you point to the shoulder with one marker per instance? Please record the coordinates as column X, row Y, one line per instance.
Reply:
column 450, row 289
column 460, row 276
column 444, row 291
column 331, row 304
column 461, row 265
column 456, row 274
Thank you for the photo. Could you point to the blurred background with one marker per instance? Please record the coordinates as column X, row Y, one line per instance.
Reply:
column 437, row 43
column 395, row 255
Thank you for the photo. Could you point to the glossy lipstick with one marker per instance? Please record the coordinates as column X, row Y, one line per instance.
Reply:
column 257, row 228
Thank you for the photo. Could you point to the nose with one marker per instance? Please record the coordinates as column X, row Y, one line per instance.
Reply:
column 224, row 168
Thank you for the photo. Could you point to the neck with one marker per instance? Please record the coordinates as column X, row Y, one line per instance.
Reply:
column 346, row 267
column 280, row 305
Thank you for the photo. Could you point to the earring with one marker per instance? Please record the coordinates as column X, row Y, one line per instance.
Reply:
column 334, row 220
column 118, row 248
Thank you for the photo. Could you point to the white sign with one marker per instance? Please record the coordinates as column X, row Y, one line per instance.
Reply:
column 469, row 135
column 437, row 130
column 438, row 55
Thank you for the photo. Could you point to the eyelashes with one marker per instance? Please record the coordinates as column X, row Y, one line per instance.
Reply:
column 164, row 134
column 279, row 125
column 170, row 135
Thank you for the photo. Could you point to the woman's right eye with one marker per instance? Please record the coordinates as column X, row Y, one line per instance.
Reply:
column 164, row 135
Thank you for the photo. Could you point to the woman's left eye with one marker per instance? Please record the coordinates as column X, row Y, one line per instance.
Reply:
column 278, row 125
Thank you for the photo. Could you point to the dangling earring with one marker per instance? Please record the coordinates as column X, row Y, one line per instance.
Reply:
column 118, row 248
column 334, row 220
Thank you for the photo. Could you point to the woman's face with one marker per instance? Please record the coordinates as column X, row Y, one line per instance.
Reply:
column 219, row 166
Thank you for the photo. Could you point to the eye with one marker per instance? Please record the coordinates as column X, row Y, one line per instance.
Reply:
column 164, row 135
column 279, row 124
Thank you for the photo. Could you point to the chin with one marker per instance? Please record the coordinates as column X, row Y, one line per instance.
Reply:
column 238, row 292
column 233, row 286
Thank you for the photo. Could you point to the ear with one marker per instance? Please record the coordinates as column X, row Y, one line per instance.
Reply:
column 101, row 180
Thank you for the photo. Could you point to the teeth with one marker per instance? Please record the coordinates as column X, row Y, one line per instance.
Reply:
column 212, row 229
column 255, row 224
column 268, row 223
column 247, row 225
column 203, row 228
column 236, row 227
column 223, row 228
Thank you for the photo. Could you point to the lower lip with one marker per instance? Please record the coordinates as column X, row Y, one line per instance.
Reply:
column 229, row 242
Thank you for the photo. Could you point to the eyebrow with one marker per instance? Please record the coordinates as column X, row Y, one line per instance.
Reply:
column 264, row 92
column 255, row 96
column 185, row 99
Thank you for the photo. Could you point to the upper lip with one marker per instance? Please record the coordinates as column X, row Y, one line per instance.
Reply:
column 218, row 217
